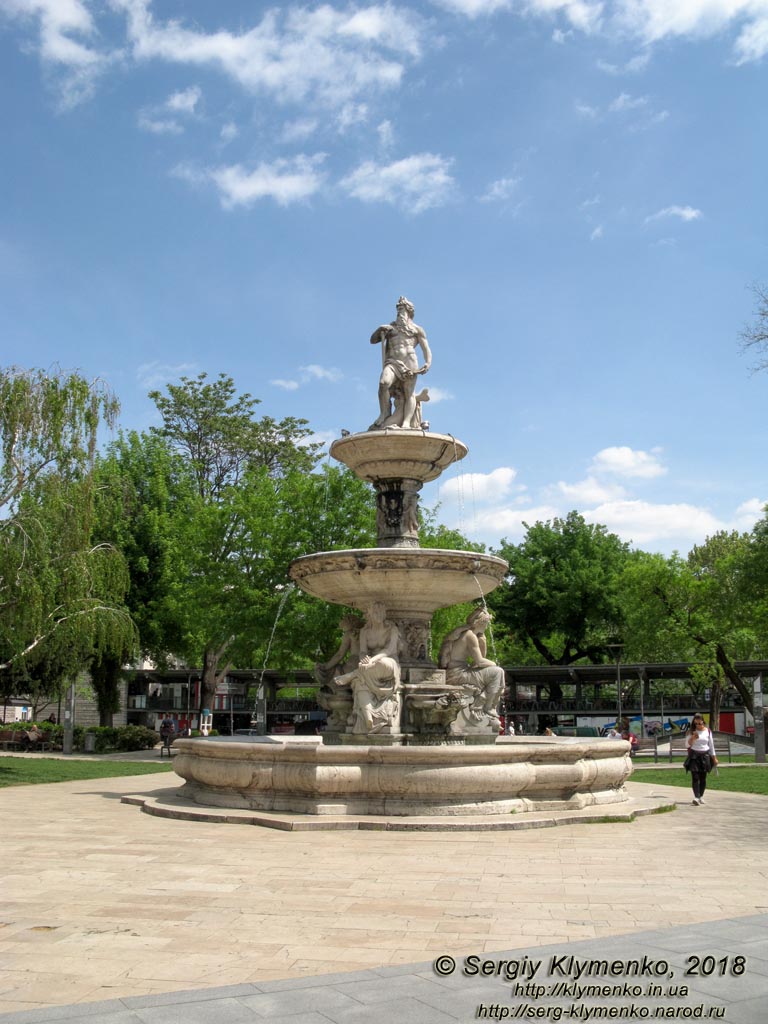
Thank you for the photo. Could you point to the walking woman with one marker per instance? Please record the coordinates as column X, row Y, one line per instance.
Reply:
column 701, row 757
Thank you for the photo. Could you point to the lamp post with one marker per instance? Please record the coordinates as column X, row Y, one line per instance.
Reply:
column 616, row 650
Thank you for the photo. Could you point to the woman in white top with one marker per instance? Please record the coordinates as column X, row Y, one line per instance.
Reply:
column 701, row 757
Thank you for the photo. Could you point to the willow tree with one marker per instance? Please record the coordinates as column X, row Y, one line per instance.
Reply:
column 59, row 590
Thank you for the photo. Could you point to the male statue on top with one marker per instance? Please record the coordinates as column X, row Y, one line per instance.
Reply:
column 400, row 368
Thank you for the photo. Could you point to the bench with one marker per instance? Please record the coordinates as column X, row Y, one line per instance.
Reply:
column 678, row 744
column 11, row 739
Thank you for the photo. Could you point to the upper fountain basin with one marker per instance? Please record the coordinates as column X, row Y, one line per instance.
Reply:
column 397, row 454
column 414, row 581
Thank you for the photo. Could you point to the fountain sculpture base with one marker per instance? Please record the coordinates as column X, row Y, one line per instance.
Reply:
column 511, row 775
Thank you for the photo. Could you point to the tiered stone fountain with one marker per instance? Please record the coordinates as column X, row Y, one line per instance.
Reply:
column 407, row 735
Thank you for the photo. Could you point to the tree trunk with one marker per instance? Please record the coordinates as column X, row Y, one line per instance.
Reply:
column 105, row 680
column 212, row 674
column 715, row 699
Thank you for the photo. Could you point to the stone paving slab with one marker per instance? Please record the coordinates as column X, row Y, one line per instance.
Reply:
column 420, row 995
column 100, row 902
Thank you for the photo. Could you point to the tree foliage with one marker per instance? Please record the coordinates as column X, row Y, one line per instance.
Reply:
column 61, row 592
column 561, row 594
column 696, row 609
column 241, row 497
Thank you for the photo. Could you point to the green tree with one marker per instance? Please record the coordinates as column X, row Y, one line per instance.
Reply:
column 60, row 591
column 257, row 503
column 696, row 609
column 561, row 594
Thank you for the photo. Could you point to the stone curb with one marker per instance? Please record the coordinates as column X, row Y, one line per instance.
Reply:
column 170, row 805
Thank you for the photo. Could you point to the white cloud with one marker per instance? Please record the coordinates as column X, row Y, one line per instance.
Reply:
column 589, row 491
column 159, row 125
column 627, row 462
column 415, row 183
column 309, row 373
column 499, row 191
column 654, row 20
column 386, row 135
column 66, row 27
column 597, row 233
column 685, row 213
column 585, row 110
column 350, row 115
column 150, row 375
column 508, row 522
column 229, row 131
column 284, row 181
column 481, row 487
column 631, row 67
column 300, row 130
column 625, row 102
column 184, row 101
column 439, row 395
column 315, row 372
column 583, row 14
column 643, row 522
column 748, row 513
column 295, row 54
column 179, row 104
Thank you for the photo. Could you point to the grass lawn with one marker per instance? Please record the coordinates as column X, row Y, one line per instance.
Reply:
column 733, row 780
column 25, row 771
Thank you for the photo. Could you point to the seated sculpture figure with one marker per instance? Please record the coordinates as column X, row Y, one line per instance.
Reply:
column 375, row 681
column 463, row 656
column 336, row 701
column 348, row 653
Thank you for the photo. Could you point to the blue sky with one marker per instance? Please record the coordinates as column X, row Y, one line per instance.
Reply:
column 572, row 193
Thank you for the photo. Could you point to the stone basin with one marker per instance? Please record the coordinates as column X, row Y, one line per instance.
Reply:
column 410, row 581
column 514, row 774
column 397, row 454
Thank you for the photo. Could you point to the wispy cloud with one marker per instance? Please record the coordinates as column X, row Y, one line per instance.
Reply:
column 307, row 374
column 165, row 118
column 315, row 372
column 500, row 191
column 284, row 181
column 67, row 42
column 324, row 55
column 630, row 67
column 684, row 213
column 596, row 233
column 415, row 184
column 150, row 375
column 624, row 102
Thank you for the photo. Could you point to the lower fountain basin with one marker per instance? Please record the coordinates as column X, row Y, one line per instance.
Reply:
column 513, row 774
column 410, row 581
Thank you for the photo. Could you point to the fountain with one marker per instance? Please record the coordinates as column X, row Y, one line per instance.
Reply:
column 406, row 735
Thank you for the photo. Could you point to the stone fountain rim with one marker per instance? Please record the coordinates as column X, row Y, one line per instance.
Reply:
column 507, row 749
column 403, row 554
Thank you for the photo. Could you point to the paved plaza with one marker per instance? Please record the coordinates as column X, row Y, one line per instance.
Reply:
column 115, row 916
